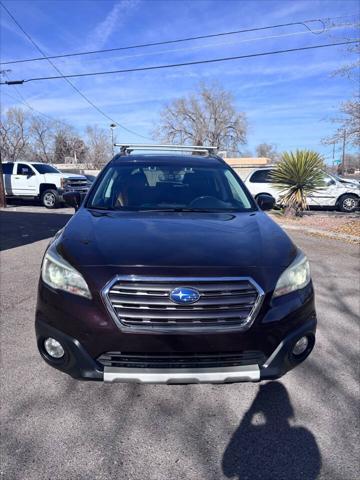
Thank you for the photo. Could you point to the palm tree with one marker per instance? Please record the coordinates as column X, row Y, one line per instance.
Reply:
column 297, row 175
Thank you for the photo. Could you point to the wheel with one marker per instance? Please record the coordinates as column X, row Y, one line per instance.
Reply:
column 348, row 203
column 50, row 198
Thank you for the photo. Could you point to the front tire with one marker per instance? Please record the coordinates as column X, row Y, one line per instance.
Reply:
column 348, row 203
column 50, row 199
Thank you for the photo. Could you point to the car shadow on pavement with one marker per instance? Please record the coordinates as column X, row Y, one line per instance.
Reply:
column 20, row 228
column 266, row 446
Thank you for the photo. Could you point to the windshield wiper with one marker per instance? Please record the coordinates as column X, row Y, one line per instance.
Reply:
column 187, row 210
column 158, row 210
column 100, row 208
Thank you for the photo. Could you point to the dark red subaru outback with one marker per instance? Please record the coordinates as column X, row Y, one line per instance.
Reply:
column 169, row 272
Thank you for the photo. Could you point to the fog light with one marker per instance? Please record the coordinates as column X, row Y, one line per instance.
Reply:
column 53, row 348
column 300, row 346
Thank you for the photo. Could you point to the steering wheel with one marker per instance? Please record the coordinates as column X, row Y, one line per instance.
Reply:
column 206, row 201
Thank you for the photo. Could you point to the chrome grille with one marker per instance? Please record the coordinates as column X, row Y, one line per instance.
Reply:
column 145, row 302
column 77, row 184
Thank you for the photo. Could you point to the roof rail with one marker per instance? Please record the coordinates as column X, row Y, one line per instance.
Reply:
column 127, row 148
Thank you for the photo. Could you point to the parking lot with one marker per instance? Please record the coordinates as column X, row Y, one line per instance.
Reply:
column 304, row 426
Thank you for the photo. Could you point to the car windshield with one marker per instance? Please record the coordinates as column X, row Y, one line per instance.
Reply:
column 43, row 168
column 170, row 188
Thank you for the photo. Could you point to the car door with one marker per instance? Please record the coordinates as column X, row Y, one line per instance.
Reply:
column 23, row 181
column 326, row 195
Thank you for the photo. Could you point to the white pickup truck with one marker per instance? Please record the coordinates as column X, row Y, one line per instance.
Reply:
column 41, row 180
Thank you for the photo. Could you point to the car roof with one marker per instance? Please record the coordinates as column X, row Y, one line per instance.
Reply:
column 193, row 160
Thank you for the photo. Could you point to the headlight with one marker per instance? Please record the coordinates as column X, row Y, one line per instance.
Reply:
column 63, row 182
column 295, row 277
column 58, row 273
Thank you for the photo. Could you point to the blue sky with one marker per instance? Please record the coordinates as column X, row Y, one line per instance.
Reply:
column 288, row 98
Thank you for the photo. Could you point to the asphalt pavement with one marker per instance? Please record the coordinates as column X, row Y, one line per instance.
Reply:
column 304, row 426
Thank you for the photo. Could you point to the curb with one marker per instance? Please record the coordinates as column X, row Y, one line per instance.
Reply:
column 323, row 233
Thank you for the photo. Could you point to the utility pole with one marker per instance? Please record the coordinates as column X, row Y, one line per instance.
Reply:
column 343, row 151
column 112, row 126
column 2, row 189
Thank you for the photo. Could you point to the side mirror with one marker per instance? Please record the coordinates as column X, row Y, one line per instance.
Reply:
column 330, row 182
column 74, row 199
column 265, row 202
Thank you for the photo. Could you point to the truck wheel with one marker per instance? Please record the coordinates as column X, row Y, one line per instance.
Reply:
column 348, row 203
column 50, row 198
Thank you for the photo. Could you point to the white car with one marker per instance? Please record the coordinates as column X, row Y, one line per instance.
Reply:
column 343, row 196
column 41, row 180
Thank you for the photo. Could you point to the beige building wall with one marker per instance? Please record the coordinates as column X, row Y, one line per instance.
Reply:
column 245, row 165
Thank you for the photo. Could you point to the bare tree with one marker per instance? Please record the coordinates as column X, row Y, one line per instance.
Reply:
column 350, row 70
column 99, row 146
column 42, row 139
column 15, row 135
column 349, row 119
column 208, row 116
column 348, row 124
column 267, row 150
column 68, row 144
column 352, row 161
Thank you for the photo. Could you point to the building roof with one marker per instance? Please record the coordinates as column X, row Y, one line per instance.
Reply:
column 247, row 161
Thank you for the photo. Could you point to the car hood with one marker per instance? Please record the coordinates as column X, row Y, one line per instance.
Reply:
column 169, row 241
column 349, row 183
column 52, row 177
column 74, row 176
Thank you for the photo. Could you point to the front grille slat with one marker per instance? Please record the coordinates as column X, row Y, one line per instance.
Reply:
column 124, row 360
column 240, row 312
column 152, row 301
column 147, row 303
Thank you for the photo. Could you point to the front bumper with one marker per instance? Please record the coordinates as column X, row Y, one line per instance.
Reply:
column 83, row 190
column 80, row 365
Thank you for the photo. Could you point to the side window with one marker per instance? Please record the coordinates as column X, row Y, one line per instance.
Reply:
column 7, row 168
column 328, row 181
column 261, row 176
column 236, row 191
column 23, row 169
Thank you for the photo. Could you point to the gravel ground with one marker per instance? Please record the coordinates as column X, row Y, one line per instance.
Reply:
column 352, row 228
column 302, row 427
column 324, row 221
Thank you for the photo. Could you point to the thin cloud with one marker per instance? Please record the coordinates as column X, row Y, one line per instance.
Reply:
column 113, row 20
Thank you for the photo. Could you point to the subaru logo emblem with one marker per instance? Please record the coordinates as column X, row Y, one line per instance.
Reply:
column 184, row 295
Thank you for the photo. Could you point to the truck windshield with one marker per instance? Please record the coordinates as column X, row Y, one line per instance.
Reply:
column 170, row 188
column 43, row 168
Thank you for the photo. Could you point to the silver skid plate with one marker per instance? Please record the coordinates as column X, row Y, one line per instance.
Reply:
column 246, row 373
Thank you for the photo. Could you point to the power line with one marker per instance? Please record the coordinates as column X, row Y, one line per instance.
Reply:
column 187, row 49
column 184, row 64
column 178, row 40
column 303, row 23
column 65, row 77
column 25, row 102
